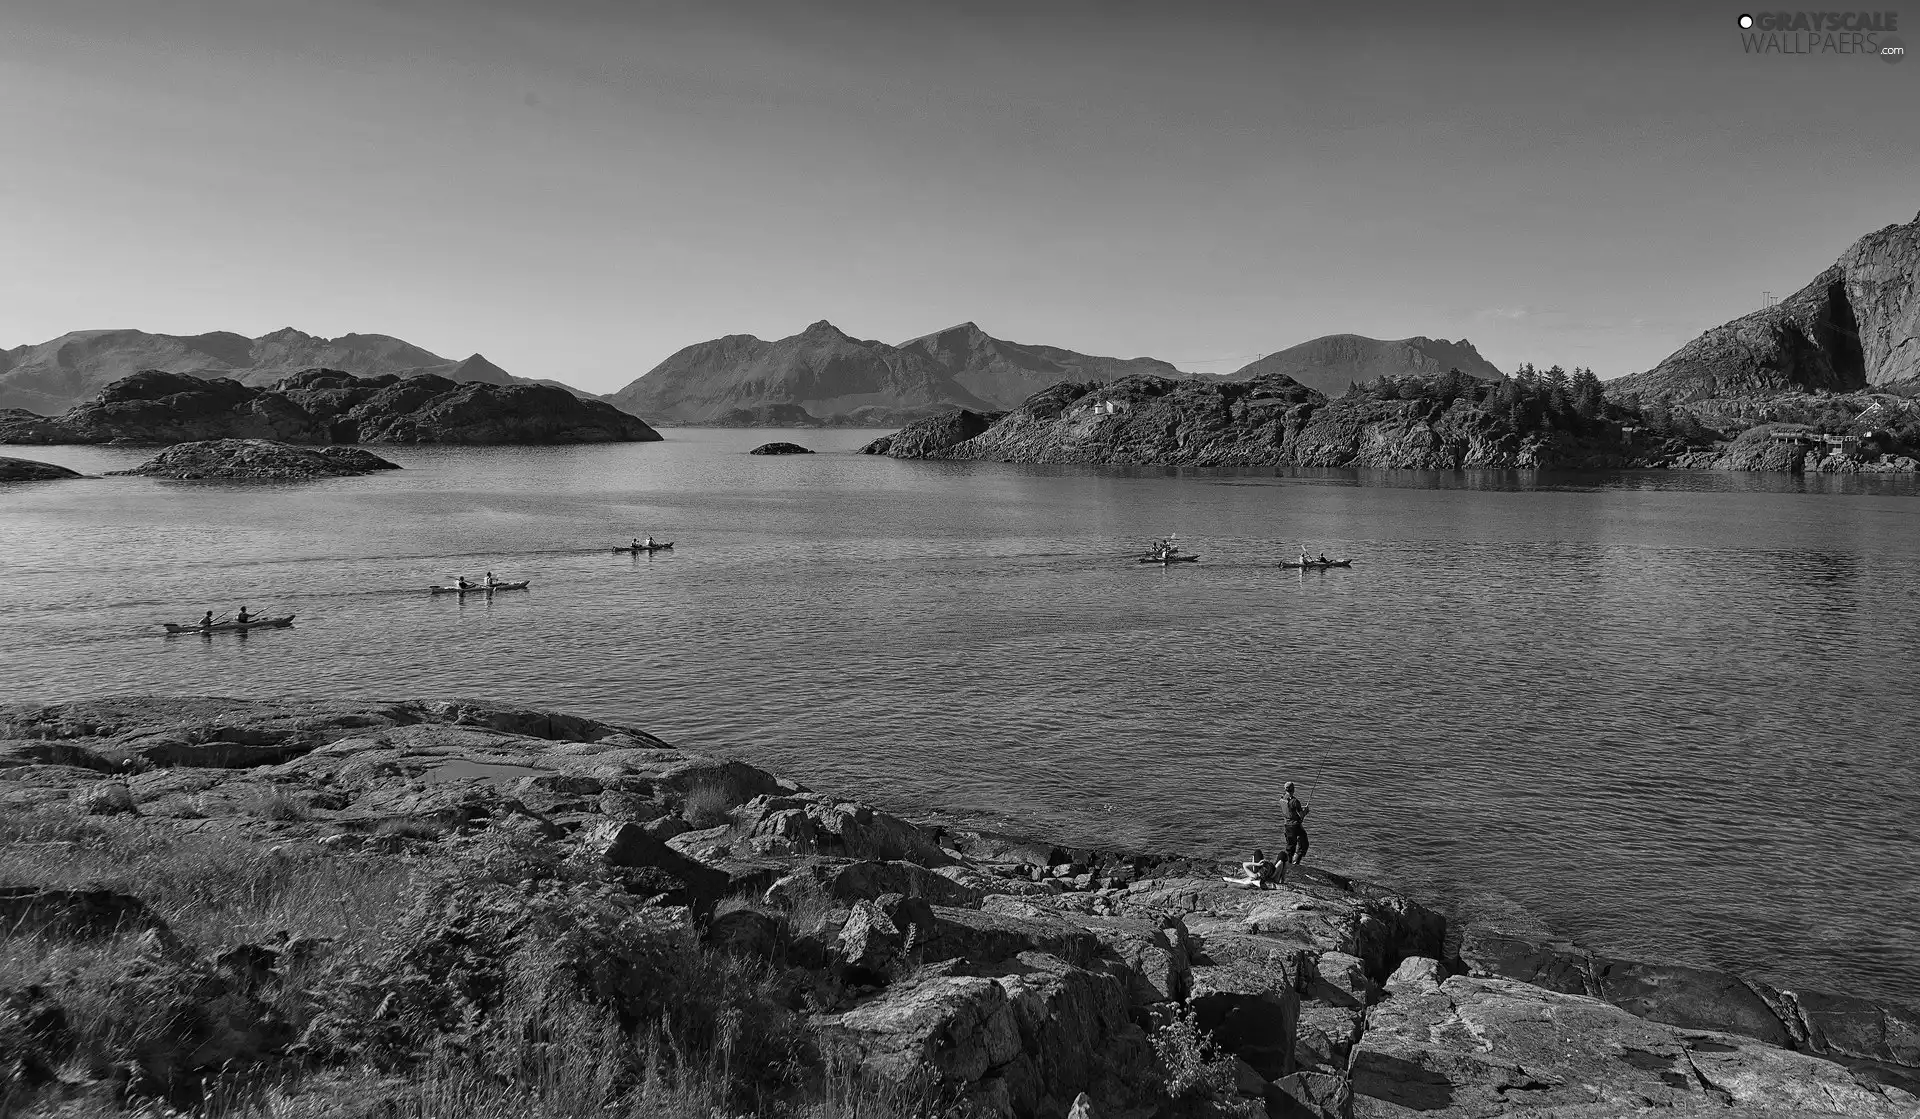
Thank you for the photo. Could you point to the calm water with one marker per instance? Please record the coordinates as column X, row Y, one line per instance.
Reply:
column 1675, row 716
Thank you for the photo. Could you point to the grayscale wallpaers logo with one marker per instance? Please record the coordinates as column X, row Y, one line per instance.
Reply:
column 1867, row 34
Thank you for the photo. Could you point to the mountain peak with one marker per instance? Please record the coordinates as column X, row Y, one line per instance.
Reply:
column 287, row 334
column 827, row 328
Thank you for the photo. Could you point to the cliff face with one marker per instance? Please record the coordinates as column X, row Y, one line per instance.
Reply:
column 59, row 374
column 1856, row 324
column 328, row 406
column 1269, row 421
column 1330, row 363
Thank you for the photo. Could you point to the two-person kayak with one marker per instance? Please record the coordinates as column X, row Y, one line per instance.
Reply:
column 481, row 588
column 251, row 623
column 1310, row 564
column 636, row 549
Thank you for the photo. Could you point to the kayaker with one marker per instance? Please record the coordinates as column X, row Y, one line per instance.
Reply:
column 1323, row 559
column 636, row 543
column 649, row 542
column 207, row 621
column 489, row 579
column 1296, row 817
column 242, row 618
column 1303, row 555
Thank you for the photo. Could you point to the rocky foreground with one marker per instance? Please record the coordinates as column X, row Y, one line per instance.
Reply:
column 328, row 406
column 343, row 909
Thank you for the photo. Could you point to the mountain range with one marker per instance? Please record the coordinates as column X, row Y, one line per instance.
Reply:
column 54, row 376
column 835, row 377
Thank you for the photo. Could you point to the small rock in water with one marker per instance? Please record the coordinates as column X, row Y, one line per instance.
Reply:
column 780, row 449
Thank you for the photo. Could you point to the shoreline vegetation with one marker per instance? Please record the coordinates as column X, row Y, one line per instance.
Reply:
column 335, row 910
column 1551, row 419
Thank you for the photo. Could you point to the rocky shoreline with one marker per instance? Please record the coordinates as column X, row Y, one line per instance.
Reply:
column 513, row 850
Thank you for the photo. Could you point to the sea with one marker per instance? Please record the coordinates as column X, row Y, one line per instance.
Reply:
column 1674, row 716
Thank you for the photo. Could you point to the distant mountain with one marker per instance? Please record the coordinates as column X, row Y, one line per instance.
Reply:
column 1856, row 325
column 822, row 369
column 1330, row 363
column 838, row 379
column 327, row 406
column 54, row 376
column 1006, row 373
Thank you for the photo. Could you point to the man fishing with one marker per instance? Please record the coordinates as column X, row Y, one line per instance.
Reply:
column 1296, row 835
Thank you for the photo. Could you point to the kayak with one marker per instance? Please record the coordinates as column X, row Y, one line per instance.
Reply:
column 1315, row 563
column 1164, row 560
column 636, row 549
column 482, row 589
column 255, row 623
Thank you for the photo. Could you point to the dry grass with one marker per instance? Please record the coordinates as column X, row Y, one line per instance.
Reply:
column 278, row 805
column 709, row 805
column 211, row 888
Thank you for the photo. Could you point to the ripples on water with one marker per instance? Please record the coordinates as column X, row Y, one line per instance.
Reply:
column 1673, row 715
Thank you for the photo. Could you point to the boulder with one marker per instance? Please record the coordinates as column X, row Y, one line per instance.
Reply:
column 27, row 470
column 780, row 449
column 1024, row 1042
column 1478, row 1047
column 1418, row 974
column 989, row 937
column 1325, row 1036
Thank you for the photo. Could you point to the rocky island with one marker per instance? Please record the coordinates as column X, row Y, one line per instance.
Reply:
column 328, row 406
column 258, row 460
column 780, row 449
column 327, row 908
column 29, row 470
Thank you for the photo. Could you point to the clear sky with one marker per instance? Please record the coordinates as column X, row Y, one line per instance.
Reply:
column 577, row 188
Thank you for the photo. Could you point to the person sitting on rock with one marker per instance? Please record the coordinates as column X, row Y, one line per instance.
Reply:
column 1261, row 869
column 243, row 617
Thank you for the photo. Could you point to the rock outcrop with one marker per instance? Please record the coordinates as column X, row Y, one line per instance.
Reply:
column 1476, row 1047
column 328, row 406
column 258, row 460
column 27, row 470
column 1857, row 324
column 1269, row 421
column 780, row 449
column 57, row 375
column 981, row 973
